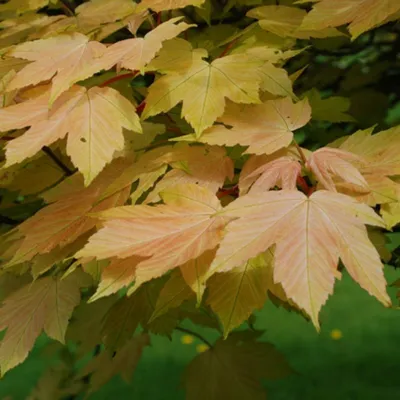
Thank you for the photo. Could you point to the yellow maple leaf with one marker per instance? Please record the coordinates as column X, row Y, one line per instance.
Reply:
column 163, row 5
column 264, row 128
column 68, row 58
column 97, row 12
column 285, row 21
column 362, row 15
column 94, row 120
column 135, row 53
column 235, row 77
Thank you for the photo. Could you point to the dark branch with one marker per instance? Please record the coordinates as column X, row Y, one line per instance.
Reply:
column 188, row 331
column 50, row 153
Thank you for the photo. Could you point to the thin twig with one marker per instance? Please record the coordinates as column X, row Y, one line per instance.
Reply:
column 190, row 19
column 68, row 6
column 190, row 332
column 227, row 48
column 118, row 78
column 301, row 153
column 65, row 168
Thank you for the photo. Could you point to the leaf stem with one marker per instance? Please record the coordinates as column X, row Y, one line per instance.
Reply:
column 118, row 78
column 190, row 332
column 301, row 153
column 50, row 153
column 227, row 48
column 68, row 7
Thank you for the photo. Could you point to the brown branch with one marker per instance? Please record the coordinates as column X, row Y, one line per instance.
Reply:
column 301, row 153
column 227, row 48
column 57, row 161
column 190, row 332
column 68, row 6
column 118, row 78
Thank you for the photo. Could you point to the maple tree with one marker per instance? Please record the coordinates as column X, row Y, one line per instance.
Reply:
column 174, row 160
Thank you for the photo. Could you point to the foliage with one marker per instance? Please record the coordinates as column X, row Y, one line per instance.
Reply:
column 151, row 173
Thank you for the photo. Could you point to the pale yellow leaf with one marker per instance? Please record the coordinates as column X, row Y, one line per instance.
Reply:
column 68, row 58
column 94, row 120
column 361, row 15
column 236, row 77
column 135, row 54
column 381, row 150
column 264, row 128
column 163, row 5
column 97, row 12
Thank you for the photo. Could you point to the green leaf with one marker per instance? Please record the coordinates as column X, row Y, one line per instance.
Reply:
column 232, row 369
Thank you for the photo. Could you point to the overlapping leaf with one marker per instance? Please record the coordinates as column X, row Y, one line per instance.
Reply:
column 264, row 128
column 362, row 15
column 135, row 53
column 94, row 120
column 327, row 225
column 235, row 294
column 68, row 58
column 63, row 221
column 249, row 361
column 46, row 304
column 170, row 235
column 234, row 77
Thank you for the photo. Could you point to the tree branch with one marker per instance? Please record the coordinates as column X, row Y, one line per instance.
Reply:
column 57, row 161
column 190, row 332
column 68, row 6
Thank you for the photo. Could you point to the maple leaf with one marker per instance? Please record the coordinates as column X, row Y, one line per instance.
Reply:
column 326, row 161
column 328, row 226
column 249, row 361
column 235, row 77
column 117, row 275
column 235, row 294
column 46, row 304
column 170, row 234
column 282, row 172
column 264, row 128
column 68, row 57
column 381, row 150
column 62, row 222
column 163, row 5
column 286, row 21
column 176, row 55
column 97, row 12
column 94, row 120
column 135, row 53
column 106, row 365
column 332, row 109
column 361, row 14
column 23, row 6
column 172, row 295
column 194, row 273
column 205, row 166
